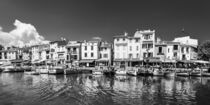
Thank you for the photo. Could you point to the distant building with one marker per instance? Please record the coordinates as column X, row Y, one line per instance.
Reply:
column 58, row 51
column 105, row 54
column 188, row 50
column 131, row 50
column 73, row 52
column 89, row 53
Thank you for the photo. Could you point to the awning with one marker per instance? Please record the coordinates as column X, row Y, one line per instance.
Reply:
column 169, row 61
column 153, row 60
column 16, row 61
column 86, row 61
column 201, row 61
column 102, row 60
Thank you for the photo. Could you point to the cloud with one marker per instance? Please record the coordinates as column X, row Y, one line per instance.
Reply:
column 24, row 34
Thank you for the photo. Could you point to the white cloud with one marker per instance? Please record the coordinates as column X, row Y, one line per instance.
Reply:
column 23, row 34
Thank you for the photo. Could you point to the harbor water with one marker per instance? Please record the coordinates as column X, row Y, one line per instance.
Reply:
column 88, row 89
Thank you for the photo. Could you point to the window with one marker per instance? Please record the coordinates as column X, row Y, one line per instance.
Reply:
column 85, row 47
column 137, row 40
column 175, row 54
column 105, row 55
column 130, row 55
column 175, row 47
column 168, row 50
column 160, row 50
column 137, row 48
column 100, row 56
column 150, row 45
column 144, row 45
column 91, row 54
column 85, row 54
column 117, row 39
column 123, row 39
column 187, row 49
column 130, row 48
column 150, row 54
column 91, row 47
column 145, row 55
column 182, row 49
column 147, row 37
column 137, row 55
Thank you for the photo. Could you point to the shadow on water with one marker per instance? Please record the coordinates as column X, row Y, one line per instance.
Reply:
column 88, row 89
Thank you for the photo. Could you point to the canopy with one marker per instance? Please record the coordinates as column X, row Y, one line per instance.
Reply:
column 86, row 61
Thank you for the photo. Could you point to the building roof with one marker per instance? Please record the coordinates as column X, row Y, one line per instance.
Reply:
column 60, row 43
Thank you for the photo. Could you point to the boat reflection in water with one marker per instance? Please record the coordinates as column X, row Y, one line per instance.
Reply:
column 88, row 89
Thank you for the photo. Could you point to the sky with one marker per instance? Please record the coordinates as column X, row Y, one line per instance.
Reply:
column 83, row 19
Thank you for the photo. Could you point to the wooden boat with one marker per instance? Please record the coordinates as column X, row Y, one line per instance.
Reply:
column 145, row 71
column 120, row 72
column 42, row 70
column 169, row 74
column 133, row 72
column 183, row 74
column 158, row 72
column 56, row 70
column 8, row 68
column 97, row 72
column 196, row 74
column 206, row 74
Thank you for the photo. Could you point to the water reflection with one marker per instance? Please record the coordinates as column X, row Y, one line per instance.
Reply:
column 87, row 89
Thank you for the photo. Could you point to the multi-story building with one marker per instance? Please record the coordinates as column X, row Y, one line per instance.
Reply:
column 44, row 52
column 73, row 52
column 188, row 48
column 89, row 53
column 105, row 54
column 35, row 53
column 58, row 51
column 131, row 50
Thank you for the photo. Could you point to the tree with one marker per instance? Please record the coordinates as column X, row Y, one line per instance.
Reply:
column 204, row 51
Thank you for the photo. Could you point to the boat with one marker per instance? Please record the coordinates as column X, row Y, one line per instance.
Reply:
column 183, row 74
column 120, row 72
column 109, row 71
column 157, row 71
column 97, row 72
column 206, row 74
column 133, row 72
column 8, row 68
column 169, row 73
column 196, row 74
column 42, row 70
column 56, row 70
column 145, row 71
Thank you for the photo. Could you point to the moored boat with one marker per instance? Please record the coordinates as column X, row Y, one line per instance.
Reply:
column 8, row 68
column 183, row 74
column 206, row 74
column 169, row 74
column 56, row 70
column 97, row 72
column 157, row 72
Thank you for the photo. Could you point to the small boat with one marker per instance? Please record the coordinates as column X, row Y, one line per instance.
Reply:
column 8, row 68
column 133, row 72
column 169, row 74
column 56, row 70
column 158, row 72
column 120, row 72
column 97, row 72
column 196, row 74
column 42, row 70
column 206, row 74
column 183, row 74
column 109, row 71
